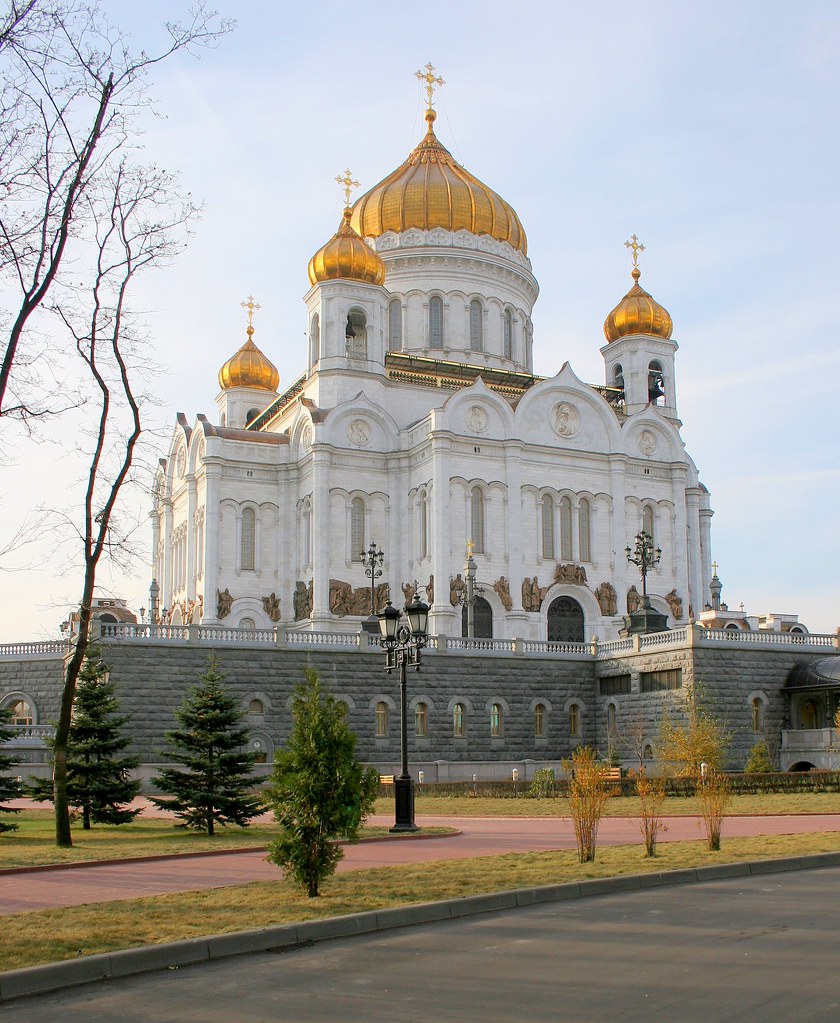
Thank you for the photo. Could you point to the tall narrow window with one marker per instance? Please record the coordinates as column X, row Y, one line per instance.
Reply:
column 547, row 508
column 381, row 719
column 357, row 528
column 477, row 519
column 476, row 326
column 306, row 531
column 539, row 721
column 435, row 322
column 459, row 720
column 394, row 325
column 249, row 539
column 421, row 720
column 315, row 339
column 565, row 529
column 584, row 530
column 423, row 515
column 496, row 720
column 574, row 720
column 507, row 329
column 757, row 715
column 647, row 520
column 611, row 729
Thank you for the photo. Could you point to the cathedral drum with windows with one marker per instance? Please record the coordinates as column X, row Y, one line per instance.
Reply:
column 418, row 423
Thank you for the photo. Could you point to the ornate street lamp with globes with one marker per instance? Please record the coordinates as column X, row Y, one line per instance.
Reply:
column 402, row 644
column 644, row 619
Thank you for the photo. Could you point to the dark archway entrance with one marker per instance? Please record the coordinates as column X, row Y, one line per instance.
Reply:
column 482, row 620
column 565, row 621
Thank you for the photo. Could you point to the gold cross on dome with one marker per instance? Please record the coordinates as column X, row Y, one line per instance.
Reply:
column 428, row 76
column 636, row 247
column 714, row 567
column 252, row 307
column 349, row 185
column 470, row 546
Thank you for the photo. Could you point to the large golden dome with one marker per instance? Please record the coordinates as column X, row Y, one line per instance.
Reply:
column 638, row 313
column 432, row 190
column 346, row 256
column 249, row 368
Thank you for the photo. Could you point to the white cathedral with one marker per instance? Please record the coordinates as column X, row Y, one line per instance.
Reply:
column 419, row 425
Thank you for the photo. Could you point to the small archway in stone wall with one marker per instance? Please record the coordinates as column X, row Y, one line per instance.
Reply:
column 482, row 619
column 566, row 622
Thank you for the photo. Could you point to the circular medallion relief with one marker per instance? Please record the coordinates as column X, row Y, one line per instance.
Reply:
column 476, row 419
column 565, row 419
column 306, row 438
column 647, row 442
column 181, row 461
column 358, row 433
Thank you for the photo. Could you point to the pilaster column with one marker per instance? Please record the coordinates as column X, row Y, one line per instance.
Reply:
column 695, row 572
column 166, row 581
column 190, row 537
column 212, row 536
column 321, row 541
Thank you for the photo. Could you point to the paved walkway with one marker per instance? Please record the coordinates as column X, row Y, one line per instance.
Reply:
column 480, row 836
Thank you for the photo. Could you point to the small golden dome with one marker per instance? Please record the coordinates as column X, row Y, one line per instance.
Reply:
column 432, row 190
column 346, row 256
column 249, row 368
column 638, row 313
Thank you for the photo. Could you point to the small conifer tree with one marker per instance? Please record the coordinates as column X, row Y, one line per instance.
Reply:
column 759, row 760
column 319, row 790
column 99, row 782
column 10, row 785
column 214, row 784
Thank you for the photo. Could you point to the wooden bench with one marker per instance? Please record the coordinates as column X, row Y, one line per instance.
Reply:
column 386, row 779
column 613, row 774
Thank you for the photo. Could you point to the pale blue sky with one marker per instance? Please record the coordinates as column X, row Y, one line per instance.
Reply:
column 708, row 129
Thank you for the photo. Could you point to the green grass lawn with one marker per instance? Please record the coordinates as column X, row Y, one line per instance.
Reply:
column 51, row 935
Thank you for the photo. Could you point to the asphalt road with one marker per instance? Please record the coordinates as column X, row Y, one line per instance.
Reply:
column 747, row 950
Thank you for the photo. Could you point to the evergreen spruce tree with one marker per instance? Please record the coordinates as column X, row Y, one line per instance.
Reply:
column 215, row 784
column 98, row 782
column 10, row 787
column 319, row 790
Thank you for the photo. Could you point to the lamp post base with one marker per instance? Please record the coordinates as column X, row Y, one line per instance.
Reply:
column 404, row 805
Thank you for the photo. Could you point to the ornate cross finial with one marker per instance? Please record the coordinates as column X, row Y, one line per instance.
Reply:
column 428, row 76
column 470, row 546
column 636, row 247
column 349, row 183
column 714, row 567
column 252, row 307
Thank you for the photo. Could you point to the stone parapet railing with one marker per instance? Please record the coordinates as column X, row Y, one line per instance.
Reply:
column 49, row 648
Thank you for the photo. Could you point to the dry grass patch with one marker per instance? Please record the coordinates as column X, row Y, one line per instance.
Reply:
column 50, row 935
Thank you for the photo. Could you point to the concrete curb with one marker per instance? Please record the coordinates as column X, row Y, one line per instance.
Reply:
column 286, row 937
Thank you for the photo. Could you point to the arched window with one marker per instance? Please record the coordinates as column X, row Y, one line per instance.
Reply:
column 306, row 530
column 252, row 414
column 435, row 322
column 315, row 339
column 758, row 715
column 565, row 621
column 421, row 719
column 809, row 714
column 394, row 325
column 584, row 530
column 656, row 383
column 574, row 720
column 647, row 752
column 647, row 520
column 507, row 332
column 20, row 713
column 256, row 707
column 476, row 326
column 482, row 619
column 356, row 334
column 539, row 721
column 357, row 528
column 423, row 516
column 477, row 519
column 565, row 529
column 459, row 720
column 381, row 719
column 249, row 540
column 547, row 509
column 618, row 377
column 496, row 720
column 611, row 719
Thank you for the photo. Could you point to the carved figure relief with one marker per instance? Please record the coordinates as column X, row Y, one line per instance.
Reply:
column 675, row 604
column 634, row 601
column 409, row 589
column 575, row 574
column 457, row 587
column 477, row 419
column 430, row 590
column 565, row 419
column 647, row 442
column 224, row 603
column 607, row 599
column 272, row 607
column 533, row 594
column 345, row 600
column 306, row 438
column 358, row 433
column 501, row 587
column 302, row 600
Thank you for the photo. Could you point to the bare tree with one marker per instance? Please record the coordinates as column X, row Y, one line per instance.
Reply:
column 633, row 736
column 70, row 89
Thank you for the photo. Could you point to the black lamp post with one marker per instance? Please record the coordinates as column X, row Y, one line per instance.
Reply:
column 372, row 559
column 645, row 557
column 402, row 644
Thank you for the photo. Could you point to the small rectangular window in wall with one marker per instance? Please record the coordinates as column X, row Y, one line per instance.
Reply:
column 617, row 685
column 659, row 681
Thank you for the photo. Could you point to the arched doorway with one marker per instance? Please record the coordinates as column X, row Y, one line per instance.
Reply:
column 482, row 619
column 565, row 621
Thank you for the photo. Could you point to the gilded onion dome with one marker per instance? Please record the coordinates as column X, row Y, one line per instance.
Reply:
column 249, row 368
column 430, row 190
column 638, row 313
column 346, row 256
